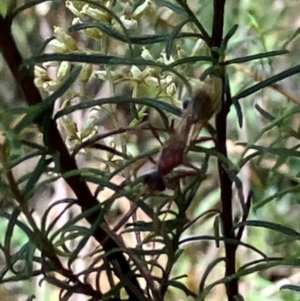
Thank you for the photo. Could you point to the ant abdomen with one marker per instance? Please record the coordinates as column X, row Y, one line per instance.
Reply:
column 154, row 181
column 171, row 157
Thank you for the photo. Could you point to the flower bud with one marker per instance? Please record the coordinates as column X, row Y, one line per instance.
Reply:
column 69, row 125
column 167, row 80
column 171, row 89
column 145, row 54
column 58, row 46
column 38, row 82
column 85, row 72
column 135, row 71
column 89, row 129
column 70, row 5
column 141, row 9
column 152, row 81
column 76, row 21
column 180, row 52
column 50, row 85
column 94, row 13
column 67, row 40
column 63, row 70
column 128, row 23
column 94, row 33
column 199, row 45
column 164, row 58
column 41, row 73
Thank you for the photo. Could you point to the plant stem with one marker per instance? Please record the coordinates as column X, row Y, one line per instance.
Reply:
column 225, row 181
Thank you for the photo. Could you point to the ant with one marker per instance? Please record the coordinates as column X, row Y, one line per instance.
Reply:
column 198, row 110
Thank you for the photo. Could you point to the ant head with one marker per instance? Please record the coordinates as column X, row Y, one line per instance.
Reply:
column 186, row 102
column 154, row 181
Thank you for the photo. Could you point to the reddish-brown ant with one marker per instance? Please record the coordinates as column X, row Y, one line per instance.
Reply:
column 199, row 110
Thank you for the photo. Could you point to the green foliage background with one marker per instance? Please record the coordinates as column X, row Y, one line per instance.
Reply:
column 262, row 140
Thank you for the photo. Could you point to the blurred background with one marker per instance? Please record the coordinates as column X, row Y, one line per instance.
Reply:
column 262, row 26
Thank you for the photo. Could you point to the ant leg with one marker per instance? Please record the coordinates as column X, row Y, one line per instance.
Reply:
column 147, row 161
column 152, row 160
column 183, row 174
column 155, row 134
column 202, row 139
column 191, row 166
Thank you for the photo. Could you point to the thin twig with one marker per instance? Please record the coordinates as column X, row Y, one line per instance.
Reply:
column 225, row 181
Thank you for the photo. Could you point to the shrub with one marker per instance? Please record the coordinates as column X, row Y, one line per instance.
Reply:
column 130, row 191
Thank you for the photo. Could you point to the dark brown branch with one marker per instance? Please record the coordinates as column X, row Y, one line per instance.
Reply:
column 225, row 181
column 218, row 23
column 25, row 81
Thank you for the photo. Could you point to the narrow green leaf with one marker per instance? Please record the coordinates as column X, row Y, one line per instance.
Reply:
column 236, row 103
column 239, row 113
column 33, row 144
column 20, row 224
column 32, row 114
column 228, row 241
column 14, row 258
column 291, row 287
column 153, row 39
column 191, row 60
column 159, row 105
column 69, row 80
column 42, row 47
column 276, row 122
column 181, row 286
column 29, row 258
column 180, row 276
column 213, row 152
column 173, row 7
column 264, row 113
column 35, row 176
column 111, row 60
column 207, row 271
column 16, row 111
column 268, row 82
column 255, row 57
column 279, row 151
column 271, row 226
column 69, row 203
column 278, row 260
column 21, row 159
column 240, row 273
column 228, row 35
column 109, row 30
column 173, row 36
column 83, row 241
column 214, row 69
column 13, row 217
column 291, row 38
column 100, row 181
column 104, row 59
column 96, row 209
column 92, row 59
column 277, row 195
